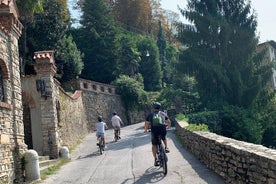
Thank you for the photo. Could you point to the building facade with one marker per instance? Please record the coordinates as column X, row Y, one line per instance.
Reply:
column 11, row 124
column 271, row 57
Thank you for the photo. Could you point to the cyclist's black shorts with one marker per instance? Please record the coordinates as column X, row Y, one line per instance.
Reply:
column 156, row 131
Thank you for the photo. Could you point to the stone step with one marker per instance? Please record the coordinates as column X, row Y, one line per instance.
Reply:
column 43, row 165
column 42, row 158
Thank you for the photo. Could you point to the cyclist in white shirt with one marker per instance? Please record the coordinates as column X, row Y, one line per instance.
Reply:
column 101, row 126
column 116, row 123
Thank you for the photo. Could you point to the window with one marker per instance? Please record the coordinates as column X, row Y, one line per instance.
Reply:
column 2, row 97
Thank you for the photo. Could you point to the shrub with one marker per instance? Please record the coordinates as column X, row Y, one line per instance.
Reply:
column 197, row 127
column 181, row 117
column 210, row 118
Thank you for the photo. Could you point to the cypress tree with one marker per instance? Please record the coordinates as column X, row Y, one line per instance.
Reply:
column 96, row 38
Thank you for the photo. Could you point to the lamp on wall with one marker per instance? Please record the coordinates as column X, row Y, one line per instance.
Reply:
column 147, row 53
column 41, row 86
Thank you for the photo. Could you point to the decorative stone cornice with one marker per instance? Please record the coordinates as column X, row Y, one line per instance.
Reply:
column 9, row 6
column 45, row 62
column 9, row 17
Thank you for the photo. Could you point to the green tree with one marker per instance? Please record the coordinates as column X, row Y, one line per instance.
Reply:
column 161, row 43
column 221, row 45
column 172, row 56
column 27, row 8
column 150, row 67
column 128, row 55
column 68, row 59
column 47, row 28
column 96, row 38
column 132, row 93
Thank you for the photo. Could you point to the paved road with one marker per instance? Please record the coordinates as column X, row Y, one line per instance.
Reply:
column 130, row 161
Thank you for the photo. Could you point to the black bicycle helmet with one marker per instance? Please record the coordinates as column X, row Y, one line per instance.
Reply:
column 100, row 118
column 156, row 105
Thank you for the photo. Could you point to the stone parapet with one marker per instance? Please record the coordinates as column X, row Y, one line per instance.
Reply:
column 97, row 87
column 235, row 161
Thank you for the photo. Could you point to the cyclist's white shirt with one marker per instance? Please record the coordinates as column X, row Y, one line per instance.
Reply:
column 116, row 121
column 101, row 127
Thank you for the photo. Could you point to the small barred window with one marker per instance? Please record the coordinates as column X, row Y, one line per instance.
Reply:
column 2, row 97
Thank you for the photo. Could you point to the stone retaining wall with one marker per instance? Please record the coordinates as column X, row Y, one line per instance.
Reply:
column 72, row 123
column 101, row 99
column 236, row 161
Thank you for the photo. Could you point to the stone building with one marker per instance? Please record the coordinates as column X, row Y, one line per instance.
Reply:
column 270, row 56
column 11, row 123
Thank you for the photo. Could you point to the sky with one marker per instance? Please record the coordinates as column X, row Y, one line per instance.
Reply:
column 265, row 10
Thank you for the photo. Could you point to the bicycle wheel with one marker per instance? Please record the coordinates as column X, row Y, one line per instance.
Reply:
column 164, row 163
column 101, row 146
column 116, row 137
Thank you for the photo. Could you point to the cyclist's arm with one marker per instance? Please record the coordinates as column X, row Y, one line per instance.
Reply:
column 168, row 121
column 146, row 126
column 121, row 122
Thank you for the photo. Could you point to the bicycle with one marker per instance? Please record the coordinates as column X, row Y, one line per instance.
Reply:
column 162, row 156
column 101, row 145
column 116, row 134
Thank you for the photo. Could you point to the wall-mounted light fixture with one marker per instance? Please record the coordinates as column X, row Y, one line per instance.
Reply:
column 147, row 53
column 41, row 86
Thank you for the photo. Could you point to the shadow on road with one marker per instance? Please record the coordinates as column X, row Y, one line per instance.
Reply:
column 202, row 170
column 96, row 153
column 151, row 175
column 139, row 138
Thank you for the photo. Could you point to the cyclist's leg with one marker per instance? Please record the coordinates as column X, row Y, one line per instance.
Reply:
column 154, row 142
column 119, row 132
column 103, row 136
column 98, row 138
column 164, row 138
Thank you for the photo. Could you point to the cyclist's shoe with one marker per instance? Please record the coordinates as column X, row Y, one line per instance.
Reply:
column 156, row 163
column 167, row 150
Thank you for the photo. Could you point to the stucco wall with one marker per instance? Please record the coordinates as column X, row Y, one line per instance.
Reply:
column 235, row 161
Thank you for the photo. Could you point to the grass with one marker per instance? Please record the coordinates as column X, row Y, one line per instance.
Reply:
column 54, row 168
column 51, row 170
column 181, row 117
column 199, row 127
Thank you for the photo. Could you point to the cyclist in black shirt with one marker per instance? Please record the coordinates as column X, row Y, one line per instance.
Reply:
column 157, row 128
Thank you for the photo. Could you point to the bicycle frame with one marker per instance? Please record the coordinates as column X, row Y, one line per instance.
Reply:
column 101, row 146
column 162, row 156
column 116, row 134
